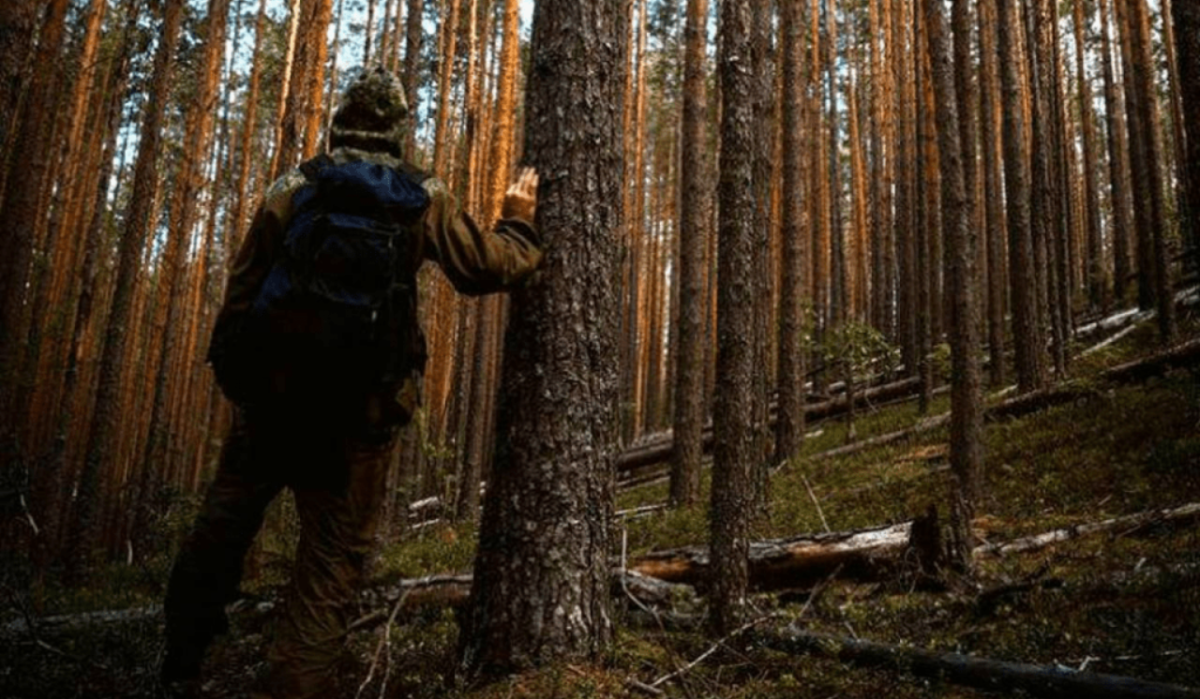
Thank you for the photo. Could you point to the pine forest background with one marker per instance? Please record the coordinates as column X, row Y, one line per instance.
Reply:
column 139, row 136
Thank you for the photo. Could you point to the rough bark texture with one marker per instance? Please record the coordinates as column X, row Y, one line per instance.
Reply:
column 541, row 575
column 1149, row 175
column 1186, row 14
column 966, row 398
column 733, row 411
column 789, row 426
column 693, row 242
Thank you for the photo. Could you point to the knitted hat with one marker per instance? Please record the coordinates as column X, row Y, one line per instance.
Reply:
column 373, row 114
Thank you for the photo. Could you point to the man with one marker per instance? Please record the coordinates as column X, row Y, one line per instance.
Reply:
column 332, row 452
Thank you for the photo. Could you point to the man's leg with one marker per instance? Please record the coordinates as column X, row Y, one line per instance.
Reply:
column 208, row 568
column 338, row 522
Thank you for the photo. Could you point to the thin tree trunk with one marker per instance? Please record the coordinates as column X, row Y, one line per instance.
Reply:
column 990, row 125
column 1120, row 186
column 1026, row 330
column 789, row 430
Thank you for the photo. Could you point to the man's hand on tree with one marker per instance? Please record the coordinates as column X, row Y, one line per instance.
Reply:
column 520, row 201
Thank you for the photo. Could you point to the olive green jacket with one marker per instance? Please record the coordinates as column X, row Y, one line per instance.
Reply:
column 475, row 261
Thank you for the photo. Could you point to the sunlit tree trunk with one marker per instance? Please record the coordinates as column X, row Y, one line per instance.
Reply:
column 449, row 44
column 412, row 72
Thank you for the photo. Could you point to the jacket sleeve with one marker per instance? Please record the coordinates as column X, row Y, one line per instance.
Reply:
column 477, row 261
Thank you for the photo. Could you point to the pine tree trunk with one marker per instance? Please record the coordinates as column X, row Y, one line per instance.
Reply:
column 1026, row 330
column 550, row 493
column 412, row 72
column 990, row 126
column 733, row 412
column 1148, row 163
column 1186, row 14
column 789, row 426
column 1096, row 283
column 966, row 398
column 1120, row 186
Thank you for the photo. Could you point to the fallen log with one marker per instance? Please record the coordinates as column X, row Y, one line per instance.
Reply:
column 865, row 554
column 870, row 555
column 1176, row 517
column 969, row 671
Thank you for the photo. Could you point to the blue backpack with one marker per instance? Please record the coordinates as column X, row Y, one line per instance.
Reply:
column 336, row 317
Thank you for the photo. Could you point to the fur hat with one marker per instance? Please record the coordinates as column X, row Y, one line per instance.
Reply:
column 373, row 114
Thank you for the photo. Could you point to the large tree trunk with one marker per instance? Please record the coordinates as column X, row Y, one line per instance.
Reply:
column 966, row 399
column 1149, row 168
column 693, row 242
column 541, row 574
column 733, row 412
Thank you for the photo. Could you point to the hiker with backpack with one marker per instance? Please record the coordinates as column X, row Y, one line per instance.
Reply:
column 319, row 347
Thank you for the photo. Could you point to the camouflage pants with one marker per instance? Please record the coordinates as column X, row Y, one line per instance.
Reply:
column 338, row 478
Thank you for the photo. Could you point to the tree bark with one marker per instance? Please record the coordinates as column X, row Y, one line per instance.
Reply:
column 1120, row 186
column 966, row 398
column 540, row 590
column 693, row 243
column 1186, row 15
column 789, row 426
column 733, row 412
column 1026, row 329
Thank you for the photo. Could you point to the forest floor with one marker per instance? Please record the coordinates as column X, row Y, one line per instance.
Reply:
column 1124, row 602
